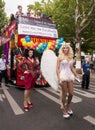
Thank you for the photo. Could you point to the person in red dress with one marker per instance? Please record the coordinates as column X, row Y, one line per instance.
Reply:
column 31, row 70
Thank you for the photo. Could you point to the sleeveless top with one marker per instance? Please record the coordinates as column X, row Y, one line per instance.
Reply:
column 66, row 73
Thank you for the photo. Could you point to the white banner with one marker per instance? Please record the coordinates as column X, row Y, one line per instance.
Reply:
column 25, row 29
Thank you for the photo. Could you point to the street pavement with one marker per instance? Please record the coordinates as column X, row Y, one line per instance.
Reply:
column 93, row 75
column 46, row 113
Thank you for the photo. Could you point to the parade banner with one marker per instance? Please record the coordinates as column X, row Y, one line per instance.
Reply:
column 7, row 34
column 25, row 29
column 36, row 22
column 37, row 27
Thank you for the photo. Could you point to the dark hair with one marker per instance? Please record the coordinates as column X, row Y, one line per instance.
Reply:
column 33, row 52
column 19, row 6
column 2, row 54
column 12, row 17
column 26, row 53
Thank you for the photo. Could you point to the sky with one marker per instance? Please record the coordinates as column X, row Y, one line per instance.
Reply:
column 11, row 5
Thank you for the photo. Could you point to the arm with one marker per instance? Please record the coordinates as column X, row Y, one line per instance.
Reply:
column 37, row 61
column 19, row 66
column 36, row 64
column 8, row 66
column 90, row 70
column 82, row 69
column 58, row 69
column 74, row 71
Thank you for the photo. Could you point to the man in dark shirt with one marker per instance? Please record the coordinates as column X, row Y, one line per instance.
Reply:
column 86, row 69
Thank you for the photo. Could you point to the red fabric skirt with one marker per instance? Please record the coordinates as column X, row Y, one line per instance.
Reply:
column 29, row 81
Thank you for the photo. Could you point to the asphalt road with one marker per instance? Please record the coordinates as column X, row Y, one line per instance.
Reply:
column 46, row 113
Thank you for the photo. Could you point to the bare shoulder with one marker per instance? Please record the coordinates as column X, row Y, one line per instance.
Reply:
column 58, row 59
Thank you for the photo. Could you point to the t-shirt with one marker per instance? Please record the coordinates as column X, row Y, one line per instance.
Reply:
column 86, row 68
column 2, row 64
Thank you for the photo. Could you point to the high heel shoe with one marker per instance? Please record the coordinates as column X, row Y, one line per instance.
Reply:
column 66, row 116
column 30, row 105
column 70, row 113
column 26, row 108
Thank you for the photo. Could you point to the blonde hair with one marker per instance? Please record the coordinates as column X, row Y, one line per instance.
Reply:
column 61, row 53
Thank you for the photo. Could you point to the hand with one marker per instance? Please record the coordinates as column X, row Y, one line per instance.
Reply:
column 60, row 82
column 91, row 73
column 82, row 74
column 37, row 61
column 26, row 72
column 77, row 79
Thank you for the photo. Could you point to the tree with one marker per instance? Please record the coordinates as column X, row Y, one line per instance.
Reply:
column 83, row 17
column 74, row 19
column 88, row 45
column 35, row 6
column 2, row 20
column 2, row 14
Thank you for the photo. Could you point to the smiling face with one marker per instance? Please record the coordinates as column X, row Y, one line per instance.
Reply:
column 65, row 49
column 30, row 53
column 20, row 8
column 29, row 10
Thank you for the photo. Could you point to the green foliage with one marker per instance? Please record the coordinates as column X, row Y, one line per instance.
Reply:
column 1, row 50
column 63, row 14
column 64, row 17
column 89, row 35
column 36, row 6
column 2, row 14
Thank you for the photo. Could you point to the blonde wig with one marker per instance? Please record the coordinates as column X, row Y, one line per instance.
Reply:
column 61, row 52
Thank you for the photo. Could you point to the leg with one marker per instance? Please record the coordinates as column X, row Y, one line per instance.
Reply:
column 26, row 97
column 87, row 81
column 83, row 81
column 5, row 76
column 27, row 91
column 32, row 84
column 29, row 98
column 0, row 77
column 33, row 81
column 63, row 96
column 70, row 95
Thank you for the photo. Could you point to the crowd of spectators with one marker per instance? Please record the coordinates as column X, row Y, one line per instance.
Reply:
column 30, row 13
